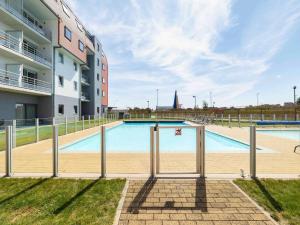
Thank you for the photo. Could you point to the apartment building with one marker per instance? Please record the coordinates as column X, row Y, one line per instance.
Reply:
column 104, row 85
column 50, row 65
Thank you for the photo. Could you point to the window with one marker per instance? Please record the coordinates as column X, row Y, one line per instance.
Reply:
column 98, row 92
column 68, row 34
column 80, row 27
column 61, row 58
column 98, row 110
column 98, row 62
column 103, row 80
column 66, row 9
column 61, row 109
column 98, row 47
column 98, row 77
column 80, row 45
column 75, row 66
column 75, row 85
column 103, row 93
column 60, row 81
column 75, row 109
column 103, row 67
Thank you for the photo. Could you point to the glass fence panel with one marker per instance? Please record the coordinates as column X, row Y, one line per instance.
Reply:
column 279, row 149
column 128, row 148
column 227, row 150
column 25, row 132
column 87, row 122
column 45, row 128
column 79, row 153
column 177, row 149
column 30, row 156
column 72, row 121
column 2, row 149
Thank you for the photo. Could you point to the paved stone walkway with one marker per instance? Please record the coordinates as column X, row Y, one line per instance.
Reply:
column 188, row 202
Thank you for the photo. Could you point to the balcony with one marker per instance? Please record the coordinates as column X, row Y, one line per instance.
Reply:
column 20, row 14
column 85, row 80
column 85, row 97
column 20, row 83
column 18, row 46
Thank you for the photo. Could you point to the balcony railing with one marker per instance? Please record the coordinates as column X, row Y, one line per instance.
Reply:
column 85, row 96
column 16, row 80
column 20, row 15
column 85, row 80
column 16, row 45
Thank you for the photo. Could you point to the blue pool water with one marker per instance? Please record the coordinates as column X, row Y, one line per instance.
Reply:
column 290, row 134
column 135, row 137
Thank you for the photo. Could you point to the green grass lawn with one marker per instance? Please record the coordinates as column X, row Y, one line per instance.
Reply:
column 280, row 197
column 28, row 135
column 58, row 201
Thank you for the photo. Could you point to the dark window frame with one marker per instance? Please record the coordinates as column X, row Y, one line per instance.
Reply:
column 66, row 29
column 75, row 109
column 61, row 81
column 75, row 85
column 61, row 58
column 61, row 109
column 80, row 43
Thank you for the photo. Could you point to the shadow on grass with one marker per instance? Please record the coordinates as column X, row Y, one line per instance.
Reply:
column 267, row 194
column 24, row 191
column 75, row 197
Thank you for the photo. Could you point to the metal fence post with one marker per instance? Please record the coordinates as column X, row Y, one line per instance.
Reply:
column 89, row 121
column 157, row 150
column 37, row 130
column 229, row 123
column 251, row 118
column 198, row 149
column 53, row 121
column 253, row 152
column 55, row 151
column 263, row 117
column 94, row 120
column 75, row 124
column 82, row 118
column 285, row 117
column 9, row 146
column 152, row 160
column 297, row 117
column 14, row 134
column 66, row 125
column 239, row 118
column 103, row 152
column 202, row 151
column 274, row 117
column 222, row 118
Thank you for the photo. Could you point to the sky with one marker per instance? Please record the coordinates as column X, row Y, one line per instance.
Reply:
column 231, row 50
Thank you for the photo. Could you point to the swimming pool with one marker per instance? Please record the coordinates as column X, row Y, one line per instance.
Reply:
column 135, row 137
column 289, row 134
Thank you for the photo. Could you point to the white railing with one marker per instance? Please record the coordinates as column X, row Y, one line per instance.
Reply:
column 85, row 79
column 16, row 45
column 16, row 80
column 20, row 15
column 85, row 96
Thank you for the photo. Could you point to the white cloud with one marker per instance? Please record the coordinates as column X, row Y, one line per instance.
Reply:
column 177, row 41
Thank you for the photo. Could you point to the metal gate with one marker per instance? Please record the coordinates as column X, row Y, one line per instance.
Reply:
column 156, row 153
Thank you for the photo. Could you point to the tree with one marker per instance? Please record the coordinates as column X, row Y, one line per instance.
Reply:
column 205, row 104
column 298, row 101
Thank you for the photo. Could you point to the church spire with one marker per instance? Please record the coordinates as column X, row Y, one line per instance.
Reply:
column 176, row 102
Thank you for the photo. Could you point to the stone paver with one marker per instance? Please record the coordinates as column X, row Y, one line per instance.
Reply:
column 188, row 202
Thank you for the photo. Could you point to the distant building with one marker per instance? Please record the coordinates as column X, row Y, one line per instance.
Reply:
column 288, row 104
column 175, row 105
